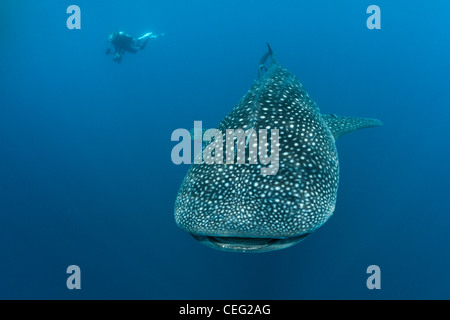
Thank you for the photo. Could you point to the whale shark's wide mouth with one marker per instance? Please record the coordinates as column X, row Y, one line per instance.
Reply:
column 244, row 244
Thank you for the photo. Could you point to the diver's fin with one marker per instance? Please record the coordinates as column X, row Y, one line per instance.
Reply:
column 341, row 125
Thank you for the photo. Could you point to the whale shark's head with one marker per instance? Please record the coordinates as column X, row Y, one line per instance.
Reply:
column 234, row 207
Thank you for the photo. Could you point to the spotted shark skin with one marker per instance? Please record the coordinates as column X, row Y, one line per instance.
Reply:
column 236, row 208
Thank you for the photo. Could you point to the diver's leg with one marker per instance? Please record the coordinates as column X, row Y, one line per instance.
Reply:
column 142, row 41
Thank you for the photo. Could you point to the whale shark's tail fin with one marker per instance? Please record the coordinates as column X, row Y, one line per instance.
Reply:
column 262, row 62
column 339, row 125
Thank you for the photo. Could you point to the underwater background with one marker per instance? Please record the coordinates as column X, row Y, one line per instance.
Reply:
column 86, row 176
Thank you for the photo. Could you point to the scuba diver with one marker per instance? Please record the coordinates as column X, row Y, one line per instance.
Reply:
column 124, row 42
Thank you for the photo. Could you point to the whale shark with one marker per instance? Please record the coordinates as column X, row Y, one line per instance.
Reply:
column 235, row 208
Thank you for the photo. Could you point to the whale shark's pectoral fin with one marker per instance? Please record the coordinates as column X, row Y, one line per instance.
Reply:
column 341, row 125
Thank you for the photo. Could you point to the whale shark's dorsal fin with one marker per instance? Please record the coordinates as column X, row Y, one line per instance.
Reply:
column 262, row 63
column 339, row 125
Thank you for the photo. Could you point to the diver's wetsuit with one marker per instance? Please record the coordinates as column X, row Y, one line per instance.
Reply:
column 124, row 42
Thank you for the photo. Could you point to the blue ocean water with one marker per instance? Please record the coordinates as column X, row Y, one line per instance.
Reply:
column 86, row 176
